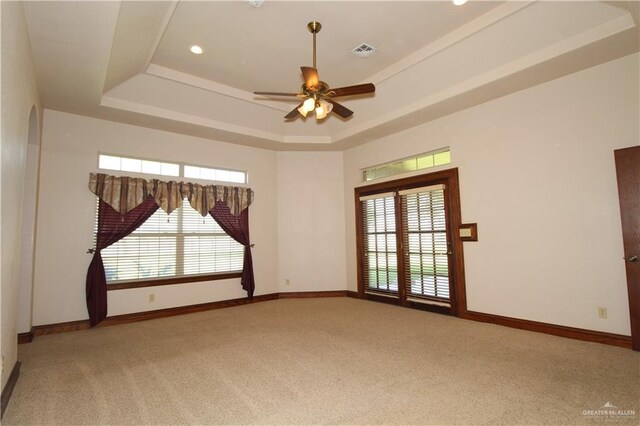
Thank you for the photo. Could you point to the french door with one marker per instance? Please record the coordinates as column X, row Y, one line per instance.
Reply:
column 406, row 247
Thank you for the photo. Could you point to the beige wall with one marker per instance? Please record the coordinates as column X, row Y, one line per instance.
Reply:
column 19, row 95
column 297, row 220
column 536, row 171
column 70, row 146
column 537, row 175
column 311, row 239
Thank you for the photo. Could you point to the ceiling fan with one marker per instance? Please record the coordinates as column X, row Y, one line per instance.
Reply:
column 317, row 94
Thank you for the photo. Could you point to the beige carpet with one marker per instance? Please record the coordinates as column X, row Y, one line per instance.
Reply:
column 310, row 361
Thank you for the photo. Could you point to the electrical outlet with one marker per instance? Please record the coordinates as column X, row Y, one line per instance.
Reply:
column 287, row 282
column 152, row 297
column 602, row 312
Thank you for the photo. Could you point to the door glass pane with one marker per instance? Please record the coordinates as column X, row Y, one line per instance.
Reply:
column 381, row 261
column 425, row 239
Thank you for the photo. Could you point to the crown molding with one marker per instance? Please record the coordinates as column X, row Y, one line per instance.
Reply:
column 555, row 50
column 145, row 109
column 212, row 86
column 482, row 22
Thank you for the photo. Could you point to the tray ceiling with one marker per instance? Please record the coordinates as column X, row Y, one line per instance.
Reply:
column 129, row 61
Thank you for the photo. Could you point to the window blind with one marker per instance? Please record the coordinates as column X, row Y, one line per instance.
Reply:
column 380, row 254
column 180, row 244
column 425, row 242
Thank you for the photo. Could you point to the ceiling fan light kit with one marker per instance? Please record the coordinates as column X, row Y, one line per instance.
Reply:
column 317, row 94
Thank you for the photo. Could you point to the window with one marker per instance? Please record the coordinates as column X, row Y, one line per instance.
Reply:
column 406, row 248
column 136, row 165
column 214, row 174
column 182, row 244
column 161, row 168
column 419, row 162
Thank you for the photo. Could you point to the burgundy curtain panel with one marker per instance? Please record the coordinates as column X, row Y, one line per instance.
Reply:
column 112, row 227
column 237, row 227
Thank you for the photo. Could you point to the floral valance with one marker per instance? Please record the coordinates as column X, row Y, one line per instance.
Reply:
column 125, row 193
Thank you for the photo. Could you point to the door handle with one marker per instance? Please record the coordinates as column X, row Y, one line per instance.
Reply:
column 631, row 258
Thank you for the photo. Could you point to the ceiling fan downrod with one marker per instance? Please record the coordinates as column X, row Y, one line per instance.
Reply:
column 314, row 28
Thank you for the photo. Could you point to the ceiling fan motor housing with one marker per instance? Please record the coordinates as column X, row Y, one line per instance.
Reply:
column 320, row 89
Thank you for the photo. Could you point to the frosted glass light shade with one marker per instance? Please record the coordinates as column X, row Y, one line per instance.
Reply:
column 309, row 104
column 320, row 113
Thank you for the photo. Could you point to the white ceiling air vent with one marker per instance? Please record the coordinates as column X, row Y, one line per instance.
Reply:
column 256, row 3
column 363, row 50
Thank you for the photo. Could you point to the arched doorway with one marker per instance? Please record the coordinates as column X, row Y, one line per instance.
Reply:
column 28, row 233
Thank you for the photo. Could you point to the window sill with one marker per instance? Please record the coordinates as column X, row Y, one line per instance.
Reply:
column 176, row 280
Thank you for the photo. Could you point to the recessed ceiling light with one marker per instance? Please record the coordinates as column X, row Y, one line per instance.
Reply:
column 196, row 50
column 256, row 3
column 459, row 2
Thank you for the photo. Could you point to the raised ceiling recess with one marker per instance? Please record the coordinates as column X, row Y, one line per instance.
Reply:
column 130, row 61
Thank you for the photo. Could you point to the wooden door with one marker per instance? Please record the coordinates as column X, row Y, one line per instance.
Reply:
column 628, row 174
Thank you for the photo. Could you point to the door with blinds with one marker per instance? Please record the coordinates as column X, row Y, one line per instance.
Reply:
column 380, row 244
column 425, row 244
column 406, row 248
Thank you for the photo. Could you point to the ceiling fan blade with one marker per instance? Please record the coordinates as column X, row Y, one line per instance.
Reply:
column 275, row 94
column 294, row 113
column 310, row 76
column 359, row 89
column 342, row 111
